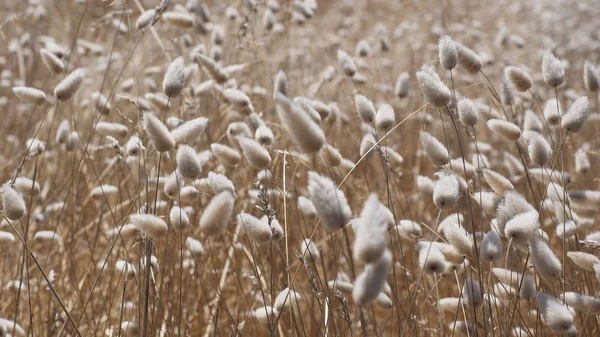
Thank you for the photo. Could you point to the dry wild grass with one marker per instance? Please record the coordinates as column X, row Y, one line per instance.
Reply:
column 294, row 168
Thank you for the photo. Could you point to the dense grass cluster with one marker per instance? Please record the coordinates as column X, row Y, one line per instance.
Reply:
column 299, row 168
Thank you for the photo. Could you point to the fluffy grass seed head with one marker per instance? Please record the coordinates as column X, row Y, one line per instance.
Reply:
column 52, row 62
column 435, row 91
column 543, row 258
column 371, row 281
column 583, row 260
column 472, row 293
column 401, row 89
column 590, row 77
column 371, row 231
column 190, row 131
column 158, row 133
column 553, row 70
column 365, row 108
column 435, row 150
column 178, row 218
column 257, row 155
column 468, row 114
column 13, row 204
column 257, row 230
column 346, row 63
column 302, row 129
column 446, row 192
column 552, row 112
column 447, row 52
column 519, row 78
column 579, row 112
column 149, row 224
column 174, row 79
column 329, row 202
column 66, row 89
column 556, row 315
column 385, row 118
column 217, row 214
column 188, row 163
column 521, row 228
column 30, row 95
column 468, row 59
column 504, row 129
column 491, row 247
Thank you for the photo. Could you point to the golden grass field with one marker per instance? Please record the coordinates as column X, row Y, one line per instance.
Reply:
column 299, row 168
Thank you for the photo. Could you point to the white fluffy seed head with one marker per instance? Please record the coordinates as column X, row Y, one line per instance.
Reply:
column 506, row 130
column 435, row 150
column 552, row 111
column 590, row 77
column 543, row 258
column 385, row 118
column 179, row 218
column 468, row 114
column 531, row 122
column 67, row 88
column 497, row 182
column 365, row 108
column 491, row 247
column 431, row 259
column 516, row 281
column 264, row 135
column 579, row 112
column 217, row 213
column 521, row 228
column 539, row 149
column 302, row 129
column 583, row 303
column 435, row 91
column 371, row 231
column 287, row 300
column 371, row 281
column 239, row 100
column 52, row 62
column 149, row 224
column 257, row 231
column 512, row 205
column 519, row 78
column 30, row 95
column 256, row 155
column 225, row 154
column 472, row 293
column 158, row 133
column 556, row 315
column 346, row 63
column 174, row 79
column 401, row 88
column 281, row 84
column 145, row 19
column 13, row 204
column 219, row 183
column 459, row 238
column 446, row 192
column 309, row 249
column 583, row 260
column 178, row 19
column 447, row 52
column 189, row 131
column 188, row 163
column 331, row 155
column 329, row 202
column 468, row 59
column 552, row 70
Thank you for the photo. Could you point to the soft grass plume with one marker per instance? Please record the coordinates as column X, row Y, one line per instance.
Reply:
column 158, row 133
column 370, row 282
column 149, row 224
column 13, row 205
column 304, row 131
column 556, row 315
column 329, row 202
column 433, row 88
column 66, row 89
column 217, row 213
column 174, row 79
column 371, row 231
